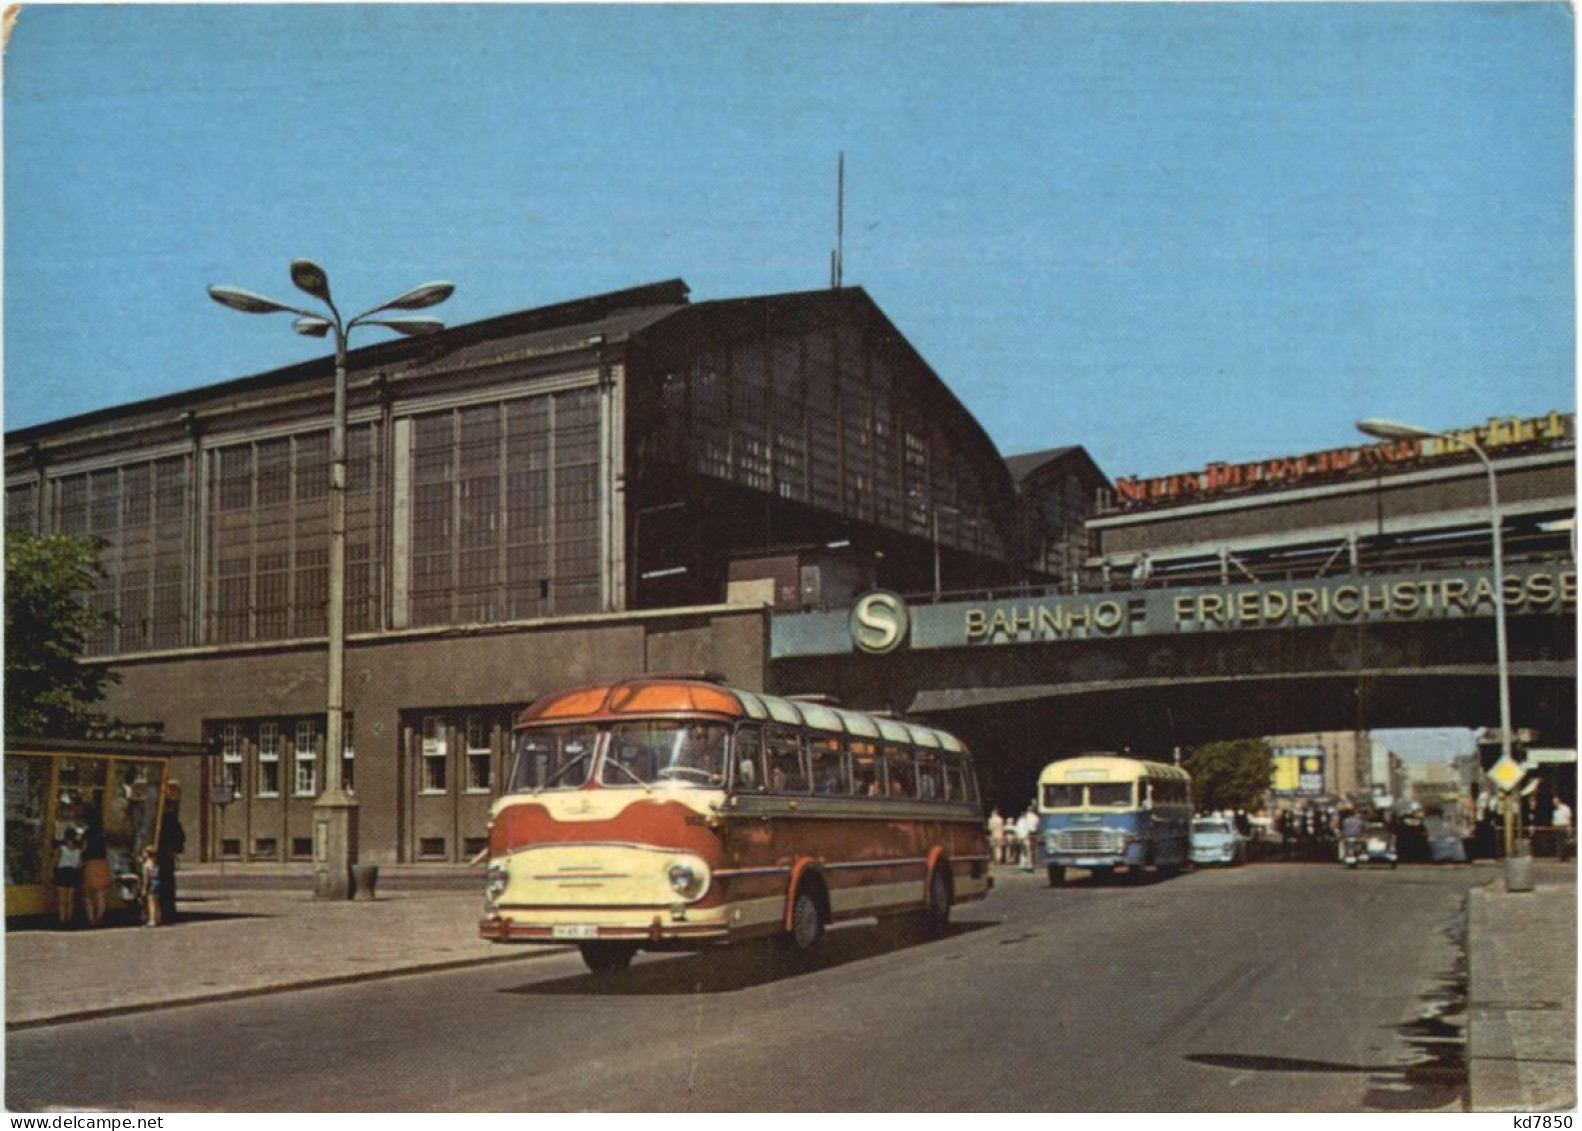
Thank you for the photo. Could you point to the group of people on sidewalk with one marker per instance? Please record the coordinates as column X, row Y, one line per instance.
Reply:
column 82, row 871
column 1014, row 841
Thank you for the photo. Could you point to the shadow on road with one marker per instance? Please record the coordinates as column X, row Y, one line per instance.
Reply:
column 1435, row 1080
column 740, row 967
column 121, row 920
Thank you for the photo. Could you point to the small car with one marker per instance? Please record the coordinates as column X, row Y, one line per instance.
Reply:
column 1374, row 845
column 1216, row 841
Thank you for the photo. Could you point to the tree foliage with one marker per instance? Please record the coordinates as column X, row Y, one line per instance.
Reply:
column 49, row 689
column 1230, row 775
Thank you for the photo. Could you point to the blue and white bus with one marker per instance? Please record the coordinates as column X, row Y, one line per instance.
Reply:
column 1103, row 812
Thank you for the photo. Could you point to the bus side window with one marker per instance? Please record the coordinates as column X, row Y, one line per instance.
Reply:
column 867, row 780
column 826, row 759
column 898, row 768
column 930, row 779
column 747, row 747
column 784, row 769
column 955, row 788
column 969, row 779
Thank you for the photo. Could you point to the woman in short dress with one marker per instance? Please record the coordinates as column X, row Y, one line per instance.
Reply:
column 95, row 865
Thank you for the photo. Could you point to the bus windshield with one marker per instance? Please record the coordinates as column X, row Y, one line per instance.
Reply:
column 1100, row 795
column 554, row 757
column 664, row 751
column 1110, row 795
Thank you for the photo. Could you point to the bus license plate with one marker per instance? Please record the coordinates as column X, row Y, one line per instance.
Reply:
column 574, row 931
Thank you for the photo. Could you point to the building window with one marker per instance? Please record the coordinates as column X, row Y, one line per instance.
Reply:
column 266, row 847
column 435, row 735
column 268, row 760
column 231, row 759
column 473, row 845
column 301, row 847
column 305, row 781
column 480, row 755
column 231, row 848
column 431, row 848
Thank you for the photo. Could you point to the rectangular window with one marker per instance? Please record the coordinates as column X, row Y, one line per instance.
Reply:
column 301, row 848
column 784, row 768
column 899, row 771
column 305, row 781
column 930, row 776
column 231, row 760
column 748, row 746
column 471, row 846
column 435, row 738
column 867, row 772
column 431, row 848
column 266, row 847
column 231, row 848
column 268, row 760
column 480, row 755
column 826, row 759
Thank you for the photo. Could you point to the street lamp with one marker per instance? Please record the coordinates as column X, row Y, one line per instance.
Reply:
column 335, row 810
column 1394, row 430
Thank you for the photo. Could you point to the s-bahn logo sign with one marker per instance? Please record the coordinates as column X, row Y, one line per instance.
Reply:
column 879, row 622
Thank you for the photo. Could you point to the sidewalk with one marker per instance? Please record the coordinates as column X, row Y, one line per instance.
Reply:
column 239, row 943
column 1521, row 995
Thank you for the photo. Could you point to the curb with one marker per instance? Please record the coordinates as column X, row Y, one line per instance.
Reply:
column 528, row 954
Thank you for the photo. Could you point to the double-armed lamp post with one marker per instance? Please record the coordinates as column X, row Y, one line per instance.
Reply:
column 1394, row 430
column 335, row 810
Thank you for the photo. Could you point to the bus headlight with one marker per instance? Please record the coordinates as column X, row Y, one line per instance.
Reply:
column 686, row 879
column 495, row 880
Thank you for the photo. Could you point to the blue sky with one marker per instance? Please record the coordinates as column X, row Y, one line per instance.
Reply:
column 1171, row 234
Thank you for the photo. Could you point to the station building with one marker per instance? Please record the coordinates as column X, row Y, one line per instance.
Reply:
column 627, row 483
column 564, row 494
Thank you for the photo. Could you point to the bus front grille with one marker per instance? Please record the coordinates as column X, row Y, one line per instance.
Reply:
column 1085, row 840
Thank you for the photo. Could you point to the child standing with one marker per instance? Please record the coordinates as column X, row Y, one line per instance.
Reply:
column 150, row 870
column 68, row 876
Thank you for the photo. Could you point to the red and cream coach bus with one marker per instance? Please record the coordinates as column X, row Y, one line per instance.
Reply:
column 665, row 813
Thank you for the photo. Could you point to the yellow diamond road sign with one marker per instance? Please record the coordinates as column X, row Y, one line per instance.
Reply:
column 1506, row 773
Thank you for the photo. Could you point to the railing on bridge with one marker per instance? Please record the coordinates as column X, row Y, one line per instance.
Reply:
column 1197, row 577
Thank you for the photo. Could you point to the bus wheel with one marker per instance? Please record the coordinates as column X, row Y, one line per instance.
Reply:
column 807, row 927
column 936, row 916
column 1057, row 875
column 607, row 958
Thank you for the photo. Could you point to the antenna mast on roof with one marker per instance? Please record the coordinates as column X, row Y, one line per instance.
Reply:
column 837, row 256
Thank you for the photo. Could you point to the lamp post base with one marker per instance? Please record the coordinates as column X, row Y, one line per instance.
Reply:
column 334, row 845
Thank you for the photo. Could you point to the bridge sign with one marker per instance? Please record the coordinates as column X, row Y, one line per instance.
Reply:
column 1507, row 773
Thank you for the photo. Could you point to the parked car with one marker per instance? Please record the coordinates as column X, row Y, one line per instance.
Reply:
column 1216, row 841
column 1375, row 845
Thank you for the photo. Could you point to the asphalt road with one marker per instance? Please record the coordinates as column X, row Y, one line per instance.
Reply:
column 1265, row 988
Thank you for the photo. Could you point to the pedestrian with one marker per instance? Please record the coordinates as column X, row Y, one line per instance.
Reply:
column 1027, row 834
column 996, row 836
column 172, row 843
column 68, row 876
column 1142, row 571
column 95, row 863
column 149, row 871
column 1562, row 823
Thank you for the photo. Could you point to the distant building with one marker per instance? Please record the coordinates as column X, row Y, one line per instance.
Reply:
column 1059, row 490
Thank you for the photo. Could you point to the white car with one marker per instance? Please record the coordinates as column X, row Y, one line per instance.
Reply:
column 1216, row 841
